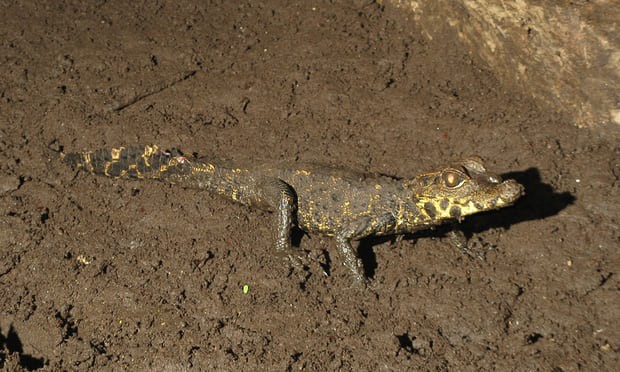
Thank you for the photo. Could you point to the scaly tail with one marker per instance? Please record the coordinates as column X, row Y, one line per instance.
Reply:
column 170, row 166
column 134, row 162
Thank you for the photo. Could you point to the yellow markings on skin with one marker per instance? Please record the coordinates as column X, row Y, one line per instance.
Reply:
column 322, row 223
column 413, row 218
column 106, row 167
column 229, row 177
column 135, row 167
column 346, row 210
column 86, row 160
column 468, row 209
column 373, row 199
column 441, row 213
column 116, row 156
column 87, row 156
column 378, row 187
column 116, row 153
column 318, row 220
column 221, row 190
column 302, row 171
column 234, row 195
column 148, row 152
column 421, row 202
column 164, row 167
column 204, row 168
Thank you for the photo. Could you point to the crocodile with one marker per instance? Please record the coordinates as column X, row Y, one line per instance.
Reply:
column 340, row 203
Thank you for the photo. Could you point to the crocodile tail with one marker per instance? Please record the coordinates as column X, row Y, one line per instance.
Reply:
column 135, row 162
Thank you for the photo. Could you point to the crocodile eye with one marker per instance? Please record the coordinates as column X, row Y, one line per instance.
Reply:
column 453, row 179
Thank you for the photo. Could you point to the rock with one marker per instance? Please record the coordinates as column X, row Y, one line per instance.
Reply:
column 8, row 184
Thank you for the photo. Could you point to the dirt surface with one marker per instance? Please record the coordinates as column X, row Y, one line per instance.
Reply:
column 119, row 274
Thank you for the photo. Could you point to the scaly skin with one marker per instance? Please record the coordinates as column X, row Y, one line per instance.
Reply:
column 333, row 202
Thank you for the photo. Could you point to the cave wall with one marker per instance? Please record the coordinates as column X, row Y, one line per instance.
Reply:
column 564, row 53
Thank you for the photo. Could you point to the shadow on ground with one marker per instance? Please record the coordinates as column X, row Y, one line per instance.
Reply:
column 11, row 344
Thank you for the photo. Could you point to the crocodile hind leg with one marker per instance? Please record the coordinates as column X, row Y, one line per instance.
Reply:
column 353, row 231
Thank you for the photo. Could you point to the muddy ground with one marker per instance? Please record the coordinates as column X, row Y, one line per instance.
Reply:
column 122, row 274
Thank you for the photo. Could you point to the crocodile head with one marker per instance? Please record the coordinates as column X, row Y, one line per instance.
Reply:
column 462, row 189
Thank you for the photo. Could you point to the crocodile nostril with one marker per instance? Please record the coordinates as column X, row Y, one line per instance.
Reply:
column 493, row 178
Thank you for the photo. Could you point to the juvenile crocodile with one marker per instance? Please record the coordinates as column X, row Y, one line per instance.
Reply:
column 334, row 202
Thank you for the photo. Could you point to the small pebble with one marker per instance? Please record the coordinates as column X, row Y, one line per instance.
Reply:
column 8, row 184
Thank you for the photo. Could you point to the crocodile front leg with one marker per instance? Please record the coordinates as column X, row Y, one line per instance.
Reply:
column 281, row 197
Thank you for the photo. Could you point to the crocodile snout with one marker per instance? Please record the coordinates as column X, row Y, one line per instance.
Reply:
column 511, row 190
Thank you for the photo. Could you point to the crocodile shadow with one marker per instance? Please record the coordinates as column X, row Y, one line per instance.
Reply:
column 10, row 344
column 540, row 201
